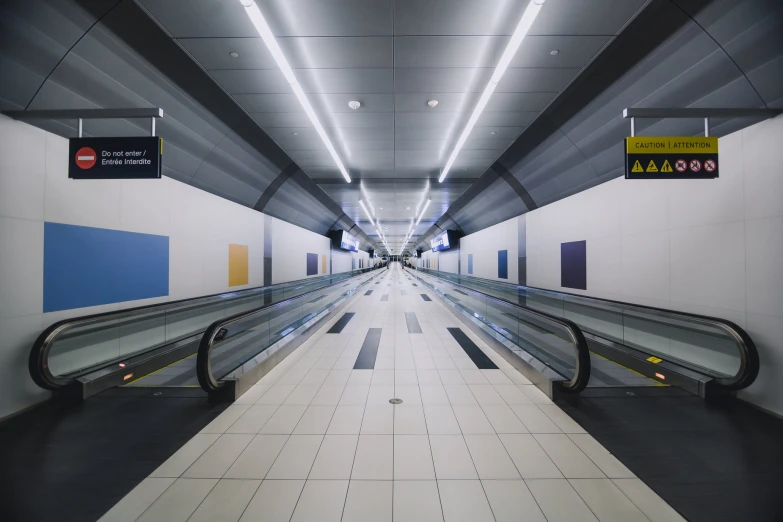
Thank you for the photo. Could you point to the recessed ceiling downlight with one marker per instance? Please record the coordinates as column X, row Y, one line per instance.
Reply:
column 353, row 104
column 432, row 103
column 232, row 54
column 554, row 52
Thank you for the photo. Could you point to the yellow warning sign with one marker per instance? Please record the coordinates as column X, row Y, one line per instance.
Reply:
column 651, row 167
column 637, row 167
column 666, row 167
column 671, row 144
column 654, row 360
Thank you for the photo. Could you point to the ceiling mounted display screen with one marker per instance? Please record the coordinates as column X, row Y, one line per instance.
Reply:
column 445, row 241
column 342, row 240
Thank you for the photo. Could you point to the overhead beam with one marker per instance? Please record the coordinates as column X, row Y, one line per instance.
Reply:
column 85, row 114
column 699, row 113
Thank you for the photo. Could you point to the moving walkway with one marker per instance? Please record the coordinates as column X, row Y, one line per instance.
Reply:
column 631, row 347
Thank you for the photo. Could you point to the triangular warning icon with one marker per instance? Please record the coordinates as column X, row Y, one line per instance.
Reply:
column 666, row 167
column 637, row 167
column 651, row 167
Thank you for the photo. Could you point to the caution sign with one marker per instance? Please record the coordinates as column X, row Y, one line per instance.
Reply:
column 671, row 157
column 654, row 360
column 115, row 158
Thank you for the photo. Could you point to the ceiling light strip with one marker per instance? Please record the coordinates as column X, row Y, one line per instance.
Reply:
column 366, row 212
column 427, row 204
column 259, row 22
column 528, row 17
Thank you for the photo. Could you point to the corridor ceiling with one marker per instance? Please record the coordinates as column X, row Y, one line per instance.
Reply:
column 393, row 56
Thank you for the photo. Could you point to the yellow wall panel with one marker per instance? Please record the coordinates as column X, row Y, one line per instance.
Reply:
column 323, row 263
column 237, row 265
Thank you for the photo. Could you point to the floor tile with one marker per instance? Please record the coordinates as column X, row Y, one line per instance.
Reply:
column 433, row 394
column 490, row 457
column 503, row 419
column 408, row 393
column 214, row 462
column 227, row 501
column 354, row 395
column 378, row 419
column 381, row 377
column 138, row 500
column 179, row 501
column 324, row 363
column 253, row 394
column 472, row 420
column 284, row 420
column 464, row 501
column 315, row 376
column 254, row 462
column 496, row 377
column 302, row 394
column 335, row 458
column 516, row 377
column 441, row 420
column 185, row 456
column 534, row 419
column 368, row 500
column 485, row 394
column 529, row 457
column 224, row 421
column 512, row 394
column 297, row 457
column 451, row 458
column 274, row 501
column 606, row 501
column 315, row 420
column 460, row 394
column 337, row 377
column 450, row 376
column 347, row 420
column 380, row 394
column 567, row 456
column 374, row 458
column 409, row 419
column 412, row 458
column 534, row 394
column 428, row 377
column 360, row 377
column 328, row 395
column 253, row 419
column 465, row 363
column 653, row 506
column 607, row 462
column 511, row 501
column 559, row 501
column 276, row 394
column 417, row 500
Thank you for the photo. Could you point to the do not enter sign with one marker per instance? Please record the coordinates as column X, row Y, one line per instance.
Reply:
column 85, row 158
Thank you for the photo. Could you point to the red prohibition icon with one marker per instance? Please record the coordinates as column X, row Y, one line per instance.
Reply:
column 85, row 158
column 695, row 165
column 681, row 165
column 710, row 165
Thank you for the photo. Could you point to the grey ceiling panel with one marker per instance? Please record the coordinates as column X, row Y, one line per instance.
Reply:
column 579, row 17
column 332, row 18
column 406, row 145
column 442, row 120
column 213, row 53
column 265, row 81
column 369, row 145
column 338, row 53
column 417, row 101
column 456, row 17
column 535, row 79
column 201, row 18
column 506, row 119
column 448, row 51
column 520, row 101
column 270, row 120
column 574, row 51
column 449, row 80
column 361, row 119
column 351, row 81
column 370, row 102
column 280, row 102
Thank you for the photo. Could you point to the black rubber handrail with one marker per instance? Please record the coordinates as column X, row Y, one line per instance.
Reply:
column 583, row 366
column 749, row 356
column 38, row 360
column 203, row 359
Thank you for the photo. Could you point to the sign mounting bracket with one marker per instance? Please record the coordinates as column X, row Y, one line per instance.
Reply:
column 88, row 114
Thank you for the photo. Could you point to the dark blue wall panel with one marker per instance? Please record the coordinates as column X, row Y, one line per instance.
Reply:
column 470, row 263
column 503, row 264
column 312, row 264
column 85, row 266
column 573, row 265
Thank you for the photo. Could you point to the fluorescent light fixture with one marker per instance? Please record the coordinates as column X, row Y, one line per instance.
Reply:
column 258, row 20
column 528, row 17
column 366, row 212
column 427, row 204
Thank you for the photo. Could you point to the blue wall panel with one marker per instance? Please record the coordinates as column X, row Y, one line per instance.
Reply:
column 86, row 266
column 312, row 264
column 470, row 263
column 503, row 264
column 573, row 265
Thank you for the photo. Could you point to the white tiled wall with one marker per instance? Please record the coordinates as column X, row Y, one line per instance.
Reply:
column 484, row 246
column 34, row 187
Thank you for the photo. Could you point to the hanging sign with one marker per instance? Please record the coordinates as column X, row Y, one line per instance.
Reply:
column 671, row 157
column 115, row 158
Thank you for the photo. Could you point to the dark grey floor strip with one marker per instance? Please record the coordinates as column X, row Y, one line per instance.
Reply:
column 369, row 351
column 413, row 323
column 425, row 297
column 385, row 297
column 368, row 292
column 341, row 323
column 478, row 357
column 414, row 284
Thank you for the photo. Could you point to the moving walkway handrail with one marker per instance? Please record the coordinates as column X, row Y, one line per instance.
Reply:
column 749, row 358
column 204, row 360
column 582, row 367
column 38, row 360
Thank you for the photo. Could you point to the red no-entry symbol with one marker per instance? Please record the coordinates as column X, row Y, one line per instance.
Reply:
column 85, row 158
column 695, row 165
column 681, row 165
column 710, row 165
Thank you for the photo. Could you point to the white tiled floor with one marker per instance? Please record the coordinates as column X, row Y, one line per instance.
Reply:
column 317, row 441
